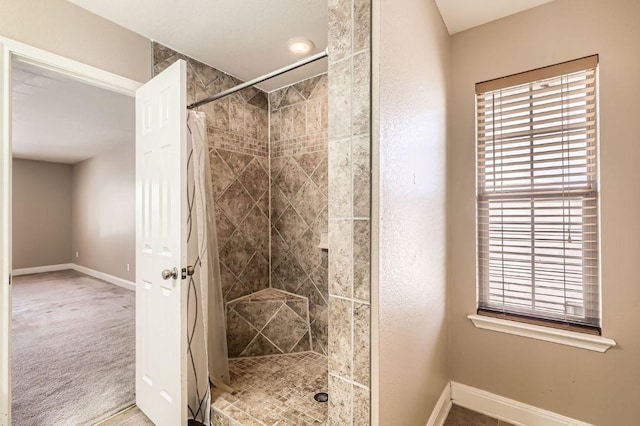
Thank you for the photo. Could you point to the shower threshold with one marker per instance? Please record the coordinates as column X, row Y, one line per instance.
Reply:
column 272, row 390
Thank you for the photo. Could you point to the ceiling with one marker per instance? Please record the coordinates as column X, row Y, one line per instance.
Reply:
column 245, row 38
column 460, row 15
column 58, row 119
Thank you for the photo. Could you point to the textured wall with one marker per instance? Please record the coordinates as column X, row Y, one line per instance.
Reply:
column 593, row 387
column 413, row 80
column 298, row 147
column 237, row 128
column 349, row 211
column 103, row 213
column 41, row 212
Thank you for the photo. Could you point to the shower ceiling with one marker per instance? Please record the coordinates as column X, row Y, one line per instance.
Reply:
column 245, row 38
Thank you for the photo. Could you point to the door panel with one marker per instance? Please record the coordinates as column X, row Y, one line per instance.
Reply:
column 161, row 391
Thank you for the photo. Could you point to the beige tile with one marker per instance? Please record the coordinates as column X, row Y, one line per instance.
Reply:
column 237, row 253
column 314, row 115
column 275, row 98
column 310, row 201
column 299, row 119
column 361, row 25
column 235, row 160
column 340, row 317
column 321, row 89
column 286, row 329
column 222, row 176
column 277, row 389
column 361, row 259
column 291, row 225
column 236, row 115
column 219, row 419
column 306, row 87
column 361, row 152
column 361, row 406
column 220, row 114
column 263, row 125
column 361, row 99
column 339, row 26
column 361, row 343
column 340, row 179
column 339, row 402
column 340, row 257
column 286, row 120
column 339, row 100
column 240, row 333
column 251, row 121
column 254, row 179
column 274, row 121
column 241, row 417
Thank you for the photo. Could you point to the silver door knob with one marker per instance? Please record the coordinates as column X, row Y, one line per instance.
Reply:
column 170, row 273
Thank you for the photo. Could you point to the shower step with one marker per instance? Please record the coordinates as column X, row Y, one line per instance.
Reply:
column 268, row 322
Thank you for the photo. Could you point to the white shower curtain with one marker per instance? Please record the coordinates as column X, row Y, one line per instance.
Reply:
column 207, row 345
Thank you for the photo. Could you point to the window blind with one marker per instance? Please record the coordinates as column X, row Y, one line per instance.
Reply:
column 537, row 194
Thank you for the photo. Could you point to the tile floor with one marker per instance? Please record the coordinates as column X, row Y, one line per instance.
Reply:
column 278, row 390
column 273, row 390
column 460, row 416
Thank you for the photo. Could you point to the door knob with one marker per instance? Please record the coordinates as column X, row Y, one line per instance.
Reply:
column 170, row 273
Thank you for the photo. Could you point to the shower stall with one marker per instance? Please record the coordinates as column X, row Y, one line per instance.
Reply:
column 259, row 290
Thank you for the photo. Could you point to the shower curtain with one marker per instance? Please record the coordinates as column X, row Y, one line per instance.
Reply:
column 207, row 357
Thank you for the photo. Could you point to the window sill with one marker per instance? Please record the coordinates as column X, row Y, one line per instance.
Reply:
column 548, row 334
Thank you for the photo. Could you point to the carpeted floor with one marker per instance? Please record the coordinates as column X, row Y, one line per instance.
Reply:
column 73, row 349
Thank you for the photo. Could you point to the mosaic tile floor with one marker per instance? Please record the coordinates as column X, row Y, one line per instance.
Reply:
column 273, row 390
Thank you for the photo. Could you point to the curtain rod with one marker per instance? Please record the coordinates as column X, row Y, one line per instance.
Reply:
column 257, row 80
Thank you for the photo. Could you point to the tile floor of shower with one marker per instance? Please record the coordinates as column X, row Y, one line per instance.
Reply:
column 273, row 390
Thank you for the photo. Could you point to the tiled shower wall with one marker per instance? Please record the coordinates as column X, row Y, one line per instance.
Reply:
column 299, row 197
column 349, row 211
column 238, row 133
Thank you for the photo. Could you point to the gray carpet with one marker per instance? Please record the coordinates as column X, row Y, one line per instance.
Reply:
column 73, row 349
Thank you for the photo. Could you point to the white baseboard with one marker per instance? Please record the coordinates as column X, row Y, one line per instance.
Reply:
column 41, row 269
column 105, row 277
column 441, row 410
column 506, row 409
column 91, row 272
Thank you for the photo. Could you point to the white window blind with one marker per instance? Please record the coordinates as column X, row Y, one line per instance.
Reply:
column 538, row 194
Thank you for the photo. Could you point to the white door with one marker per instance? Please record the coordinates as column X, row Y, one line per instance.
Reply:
column 161, row 302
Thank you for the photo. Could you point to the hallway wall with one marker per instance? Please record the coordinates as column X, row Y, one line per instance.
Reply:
column 104, row 214
column 41, row 213
column 589, row 386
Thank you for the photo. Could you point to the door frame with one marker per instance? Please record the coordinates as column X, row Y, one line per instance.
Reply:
column 10, row 51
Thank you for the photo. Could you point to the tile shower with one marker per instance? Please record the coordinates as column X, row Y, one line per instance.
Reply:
column 268, row 155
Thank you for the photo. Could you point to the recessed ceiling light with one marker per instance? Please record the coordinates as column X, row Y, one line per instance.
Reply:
column 300, row 46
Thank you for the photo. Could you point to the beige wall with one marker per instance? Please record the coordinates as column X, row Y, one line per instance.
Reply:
column 103, row 213
column 413, row 80
column 598, row 388
column 68, row 30
column 41, row 212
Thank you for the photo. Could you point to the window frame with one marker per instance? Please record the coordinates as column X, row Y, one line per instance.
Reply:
column 590, row 195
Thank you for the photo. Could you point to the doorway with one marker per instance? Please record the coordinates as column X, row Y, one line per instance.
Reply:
column 72, row 293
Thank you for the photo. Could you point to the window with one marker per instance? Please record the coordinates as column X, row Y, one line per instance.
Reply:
column 537, row 195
